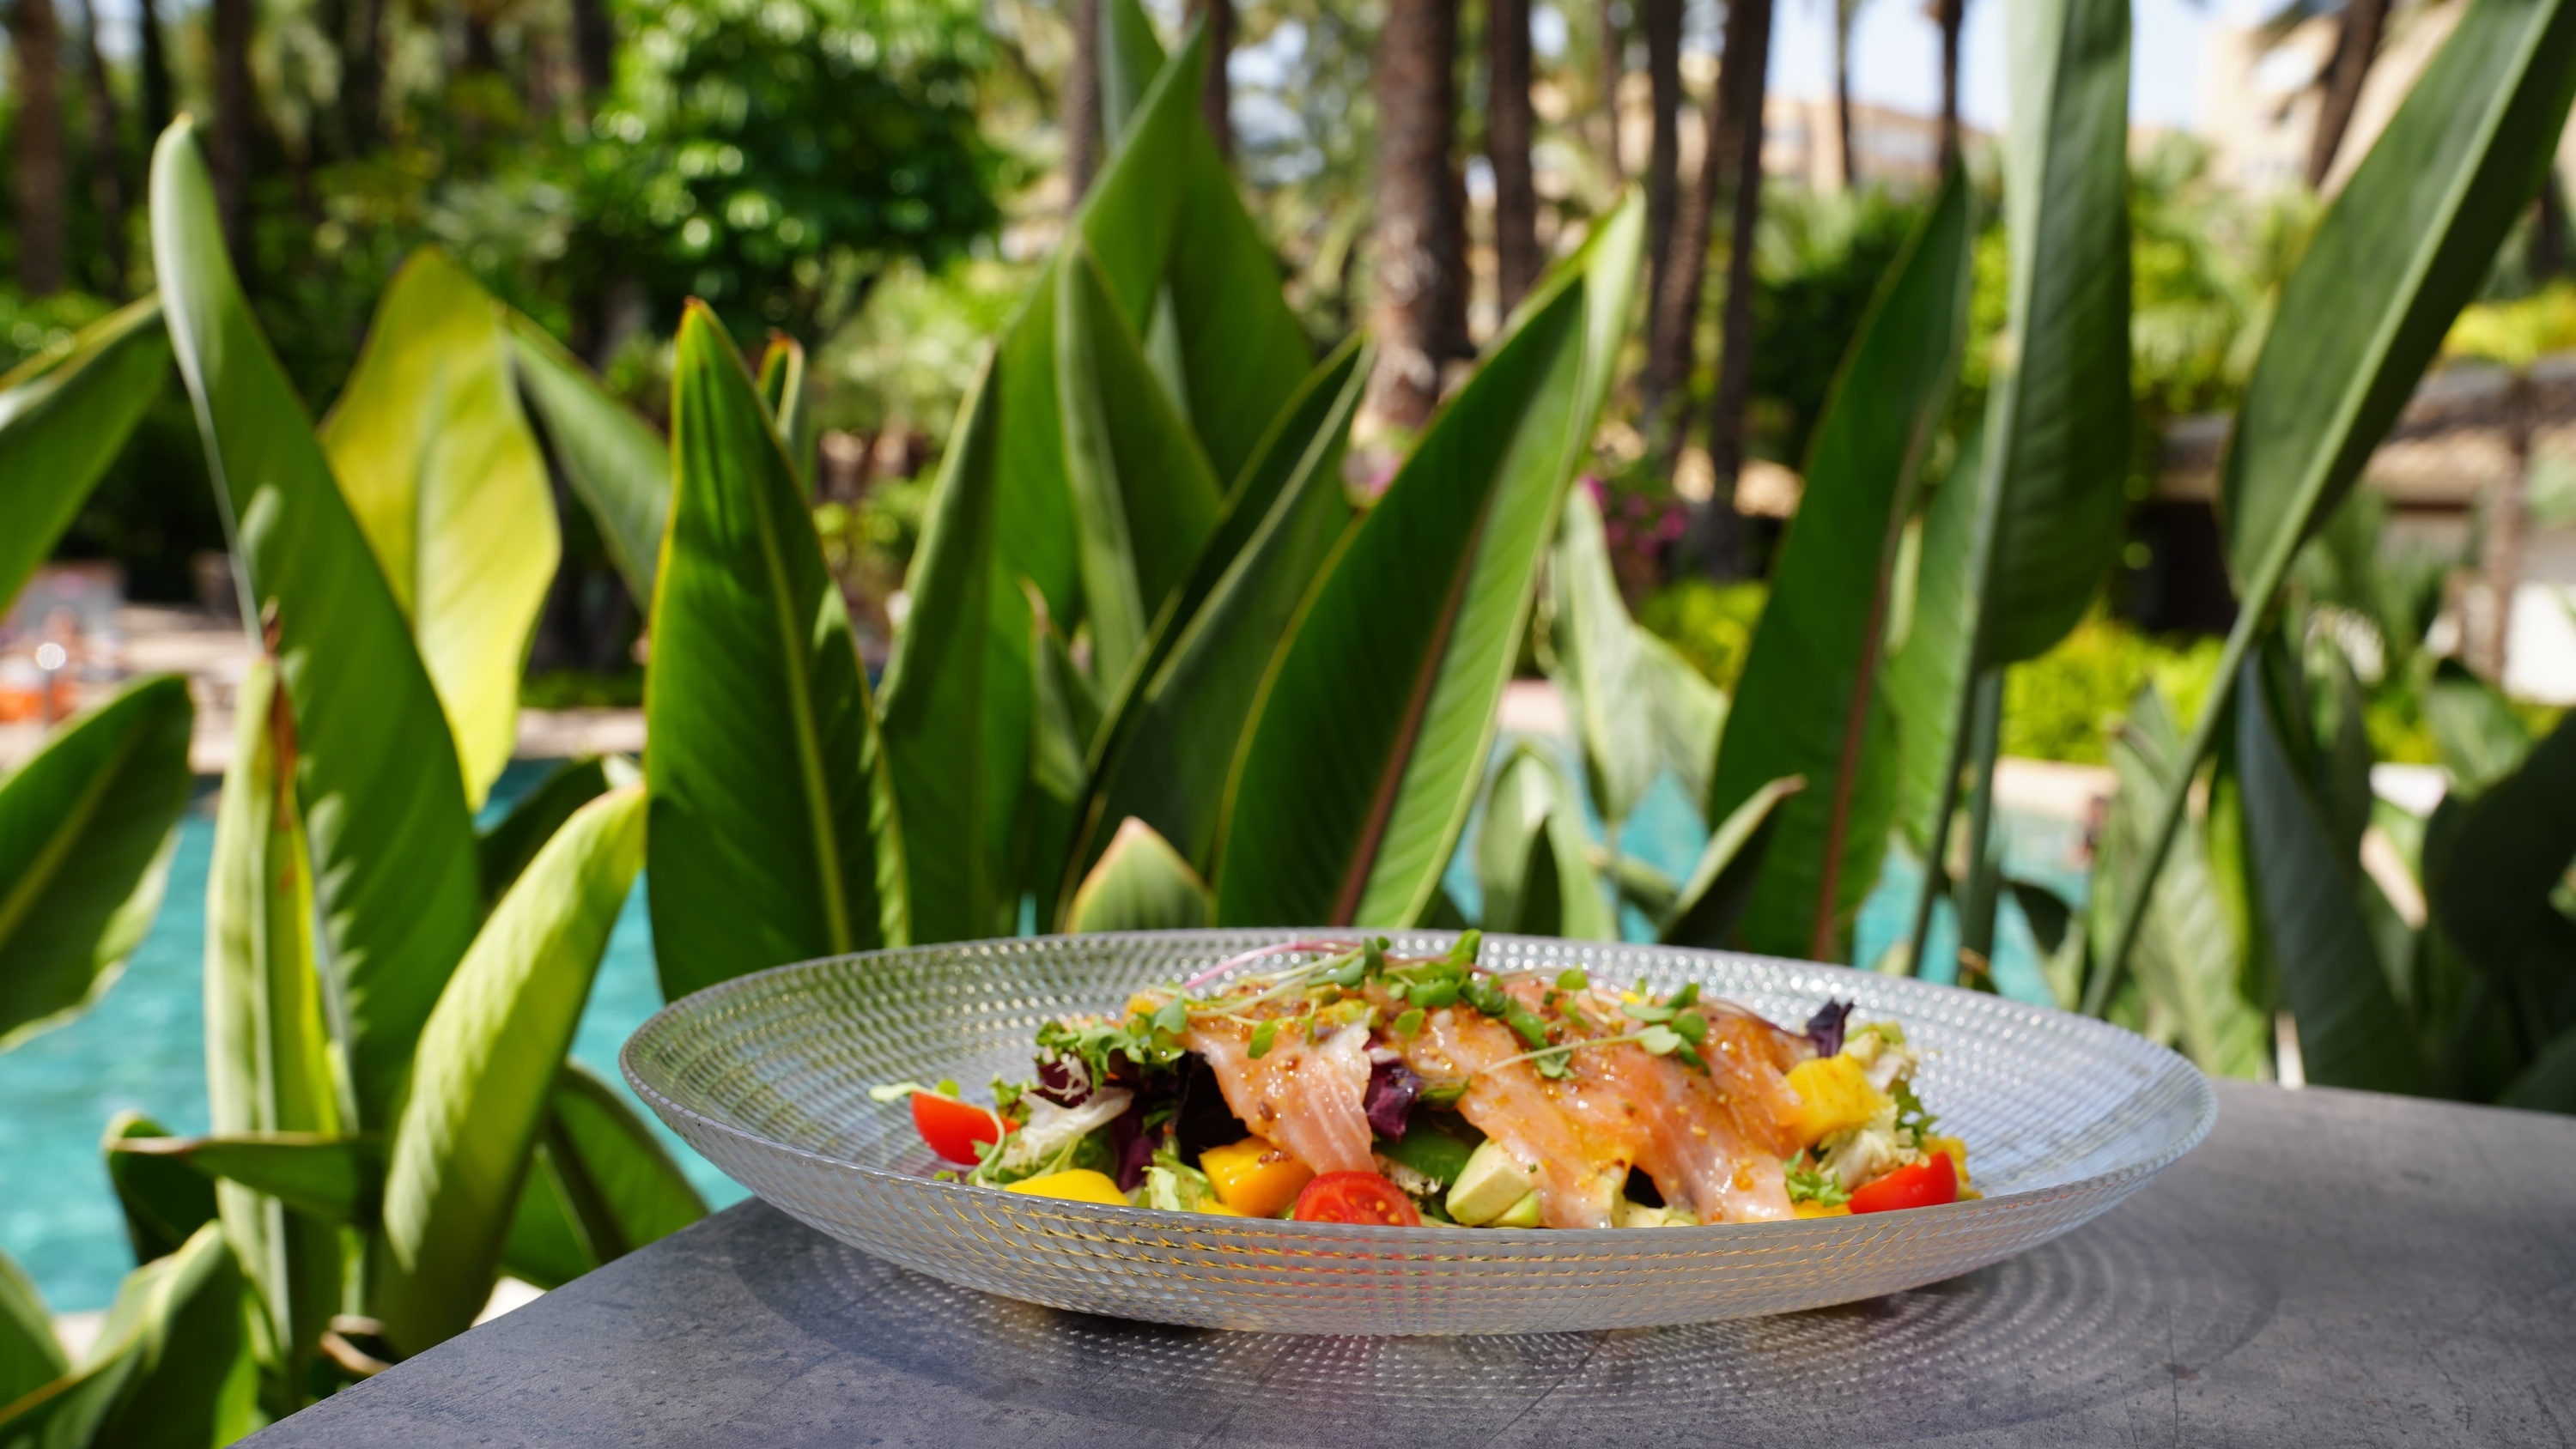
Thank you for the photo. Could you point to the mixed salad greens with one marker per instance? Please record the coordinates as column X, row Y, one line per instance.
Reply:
column 1352, row 1085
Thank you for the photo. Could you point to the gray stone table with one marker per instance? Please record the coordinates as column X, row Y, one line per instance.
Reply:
column 2328, row 1268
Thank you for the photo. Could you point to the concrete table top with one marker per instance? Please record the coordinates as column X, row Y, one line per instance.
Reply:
column 2328, row 1268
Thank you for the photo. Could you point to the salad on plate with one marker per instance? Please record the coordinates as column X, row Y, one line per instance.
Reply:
column 1332, row 1081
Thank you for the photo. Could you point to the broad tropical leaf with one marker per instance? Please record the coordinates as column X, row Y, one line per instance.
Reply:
column 1928, row 677
column 1241, row 352
column 1144, row 497
column 328, row 1179
column 505, row 849
column 2480, row 738
column 163, row 1202
column 488, row 1061
column 1533, row 856
column 166, row 1368
column 1642, row 709
column 1064, row 719
column 1807, row 702
column 377, row 774
column 1173, row 742
column 2351, row 1032
column 956, row 716
column 782, row 387
column 86, row 832
column 623, row 1186
column 774, row 835
column 63, row 416
column 1708, row 905
column 268, row 1057
column 613, row 461
column 2491, row 865
column 2409, row 239
column 1377, row 716
column 447, row 483
column 30, row 1356
column 1140, row 884
column 2058, row 417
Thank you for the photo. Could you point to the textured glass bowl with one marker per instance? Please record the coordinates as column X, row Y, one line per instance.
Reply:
column 768, row 1075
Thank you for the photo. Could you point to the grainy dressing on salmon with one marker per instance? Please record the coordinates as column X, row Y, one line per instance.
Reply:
column 1332, row 1081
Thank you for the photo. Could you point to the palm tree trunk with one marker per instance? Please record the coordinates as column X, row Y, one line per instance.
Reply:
column 154, row 60
column 594, row 46
column 1216, row 97
column 35, row 41
column 1842, row 90
column 362, row 69
column 1953, row 16
column 1509, row 127
column 1663, row 160
column 1614, row 67
column 229, row 155
column 106, row 155
column 1415, row 83
column 1673, row 336
column 2356, row 46
column 1741, row 88
column 1081, row 119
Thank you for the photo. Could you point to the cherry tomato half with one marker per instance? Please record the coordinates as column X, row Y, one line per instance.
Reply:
column 958, row 1131
column 1355, row 1197
column 1929, row 1183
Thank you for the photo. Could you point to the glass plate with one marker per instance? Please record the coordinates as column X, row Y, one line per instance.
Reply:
column 768, row 1075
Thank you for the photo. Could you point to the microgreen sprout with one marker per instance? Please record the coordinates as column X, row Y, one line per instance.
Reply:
column 1409, row 1025
column 1262, row 1037
column 1572, row 978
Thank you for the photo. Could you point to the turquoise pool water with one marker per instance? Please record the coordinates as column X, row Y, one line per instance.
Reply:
column 143, row 1046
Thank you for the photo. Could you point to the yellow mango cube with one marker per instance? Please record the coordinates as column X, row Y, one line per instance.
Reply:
column 1813, row 1209
column 1079, row 1185
column 1958, row 1150
column 1254, row 1178
column 1834, row 1095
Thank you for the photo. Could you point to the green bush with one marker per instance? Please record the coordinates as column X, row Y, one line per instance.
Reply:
column 2064, row 704
column 1711, row 624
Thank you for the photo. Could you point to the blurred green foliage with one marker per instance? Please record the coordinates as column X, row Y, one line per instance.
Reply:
column 1711, row 624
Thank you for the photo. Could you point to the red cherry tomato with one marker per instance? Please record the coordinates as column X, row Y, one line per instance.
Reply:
column 958, row 1131
column 1355, row 1197
column 1929, row 1183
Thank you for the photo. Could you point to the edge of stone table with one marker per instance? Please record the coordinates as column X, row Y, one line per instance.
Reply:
column 2329, row 1267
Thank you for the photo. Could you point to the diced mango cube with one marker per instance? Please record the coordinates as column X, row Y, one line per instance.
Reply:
column 1078, row 1185
column 1814, row 1209
column 1254, row 1178
column 1834, row 1095
column 1215, row 1209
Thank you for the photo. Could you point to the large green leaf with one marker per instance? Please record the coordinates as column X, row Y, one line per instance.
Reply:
column 2491, row 867
column 782, row 388
column 774, row 835
column 2480, row 738
column 1805, row 705
column 1144, row 497
column 1140, row 884
column 163, row 1201
column 63, row 416
column 30, row 1356
column 488, row 1061
column 505, row 849
column 328, row 1179
column 2189, row 958
column 168, row 1369
column 1533, row 856
column 1172, row 744
column 1640, row 708
column 613, row 460
column 86, row 832
column 448, row 485
column 268, row 1057
column 1240, row 348
column 956, row 716
column 1377, row 717
column 1929, row 675
column 2058, row 416
column 624, row 1188
column 1706, row 907
column 2351, row 1032
column 2409, row 239
column 377, row 772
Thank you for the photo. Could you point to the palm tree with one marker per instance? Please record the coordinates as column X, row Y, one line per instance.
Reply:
column 1216, row 99
column 1614, row 67
column 1414, row 272
column 1953, row 16
column 2356, row 46
column 106, row 157
column 1081, row 119
column 229, row 156
column 1663, row 160
column 35, row 40
column 1742, row 84
column 1509, row 126
column 1845, row 12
